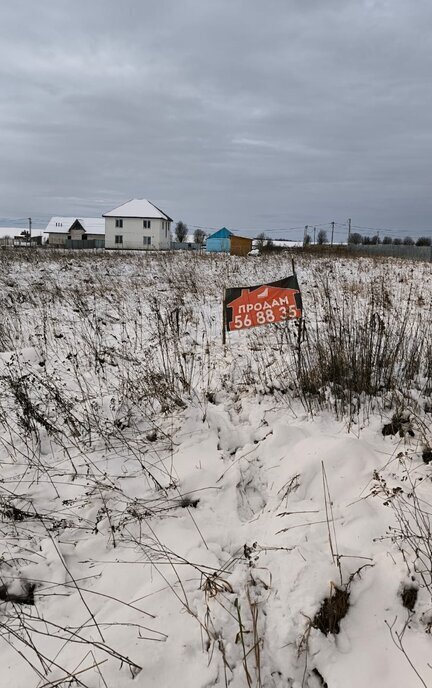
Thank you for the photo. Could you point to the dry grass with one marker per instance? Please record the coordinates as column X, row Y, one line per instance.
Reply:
column 102, row 353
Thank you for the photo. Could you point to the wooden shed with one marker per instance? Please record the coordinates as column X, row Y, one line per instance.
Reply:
column 240, row 246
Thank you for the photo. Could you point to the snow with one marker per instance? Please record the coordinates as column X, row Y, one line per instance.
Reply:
column 137, row 207
column 92, row 225
column 287, row 243
column 171, row 489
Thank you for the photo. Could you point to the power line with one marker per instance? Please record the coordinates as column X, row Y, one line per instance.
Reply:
column 251, row 232
column 393, row 231
column 396, row 231
column 261, row 230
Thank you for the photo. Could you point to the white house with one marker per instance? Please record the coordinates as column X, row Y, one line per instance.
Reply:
column 62, row 229
column 137, row 224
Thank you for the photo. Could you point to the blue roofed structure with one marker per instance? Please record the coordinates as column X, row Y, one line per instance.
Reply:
column 219, row 241
column 224, row 241
column 221, row 234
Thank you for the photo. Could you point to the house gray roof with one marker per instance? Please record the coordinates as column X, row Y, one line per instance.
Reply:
column 138, row 207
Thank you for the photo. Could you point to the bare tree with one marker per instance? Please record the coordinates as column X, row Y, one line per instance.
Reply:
column 322, row 237
column 181, row 231
column 355, row 238
column 408, row 241
column 199, row 236
column 387, row 240
column 423, row 241
column 260, row 241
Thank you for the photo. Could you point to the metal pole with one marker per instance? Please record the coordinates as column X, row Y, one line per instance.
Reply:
column 29, row 229
column 332, row 224
column 223, row 318
column 299, row 338
column 349, row 229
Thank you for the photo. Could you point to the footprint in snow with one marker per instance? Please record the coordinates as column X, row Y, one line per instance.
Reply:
column 251, row 492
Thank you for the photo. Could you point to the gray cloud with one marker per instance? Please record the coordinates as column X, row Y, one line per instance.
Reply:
column 237, row 112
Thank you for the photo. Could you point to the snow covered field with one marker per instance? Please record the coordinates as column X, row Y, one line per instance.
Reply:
column 179, row 514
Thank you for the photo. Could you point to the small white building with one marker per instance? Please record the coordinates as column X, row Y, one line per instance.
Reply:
column 137, row 224
column 63, row 229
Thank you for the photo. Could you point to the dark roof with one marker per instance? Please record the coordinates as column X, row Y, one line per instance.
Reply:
column 76, row 225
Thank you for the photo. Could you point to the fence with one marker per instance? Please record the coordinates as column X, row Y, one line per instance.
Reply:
column 89, row 243
column 186, row 246
column 6, row 241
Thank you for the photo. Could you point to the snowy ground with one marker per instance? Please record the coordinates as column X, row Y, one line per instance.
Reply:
column 174, row 512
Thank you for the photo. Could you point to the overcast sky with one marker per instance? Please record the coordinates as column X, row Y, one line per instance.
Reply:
column 250, row 114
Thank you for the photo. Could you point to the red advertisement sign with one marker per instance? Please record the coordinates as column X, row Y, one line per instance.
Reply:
column 263, row 304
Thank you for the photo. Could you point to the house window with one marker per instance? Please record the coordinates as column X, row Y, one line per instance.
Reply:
column 118, row 239
column 146, row 240
column 119, row 223
column 146, row 224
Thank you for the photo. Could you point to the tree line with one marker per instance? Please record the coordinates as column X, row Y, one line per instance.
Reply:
column 264, row 243
column 356, row 238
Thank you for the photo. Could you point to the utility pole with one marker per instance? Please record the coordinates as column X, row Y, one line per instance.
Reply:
column 314, row 235
column 29, row 229
column 332, row 224
column 349, row 229
column 305, row 235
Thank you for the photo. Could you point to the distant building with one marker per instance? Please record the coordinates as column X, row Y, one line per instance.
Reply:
column 137, row 224
column 8, row 235
column 225, row 241
column 64, row 230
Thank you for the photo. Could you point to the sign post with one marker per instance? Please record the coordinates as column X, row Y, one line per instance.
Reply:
column 223, row 318
column 245, row 307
